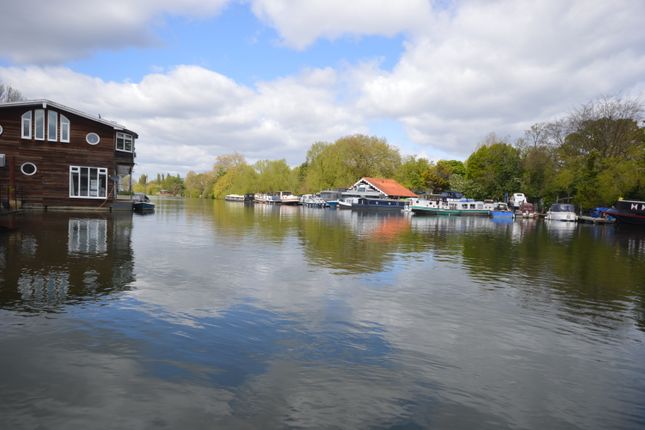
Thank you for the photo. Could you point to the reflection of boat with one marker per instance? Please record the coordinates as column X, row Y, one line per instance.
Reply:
column 628, row 211
column 562, row 212
column 142, row 204
column 449, row 207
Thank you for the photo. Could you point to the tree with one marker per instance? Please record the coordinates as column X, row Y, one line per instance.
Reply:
column 440, row 174
column 495, row 168
column 9, row 94
column 414, row 173
column 349, row 158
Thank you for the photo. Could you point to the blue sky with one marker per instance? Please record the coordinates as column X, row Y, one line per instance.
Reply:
column 267, row 78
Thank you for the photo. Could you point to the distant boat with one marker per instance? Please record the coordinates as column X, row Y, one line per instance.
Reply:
column 562, row 212
column 239, row 197
column 364, row 203
column 628, row 212
column 312, row 201
column 501, row 210
column 526, row 210
column 142, row 204
column 449, row 206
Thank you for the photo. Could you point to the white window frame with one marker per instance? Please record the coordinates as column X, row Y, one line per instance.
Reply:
column 52, row 120
column 93, row 173
column 22, row 168
column 124, row 138
column 26, row 123
column 64, row 129
column 92, row 134
column 39, row 132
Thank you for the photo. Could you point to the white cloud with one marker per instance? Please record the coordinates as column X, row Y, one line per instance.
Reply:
column 43, row 32
column 189, row 115
column 301, row 23
column 466, row 70
column 500, row 66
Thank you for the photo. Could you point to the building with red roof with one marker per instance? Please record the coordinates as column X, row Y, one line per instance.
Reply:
column 379, row 188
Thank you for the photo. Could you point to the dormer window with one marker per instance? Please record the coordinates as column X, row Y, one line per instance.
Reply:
column 26, row 125
column 124, row 142
column 64, row 129
column 35, row 123
column 39, row 124
column 52, row 125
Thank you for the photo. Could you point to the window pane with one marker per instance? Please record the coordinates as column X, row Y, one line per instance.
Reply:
column 64, row 129
column 40, row 124
column 84, row 181
column 74, row 182
column 26, row 125
column 52, row 125
column 102, row 185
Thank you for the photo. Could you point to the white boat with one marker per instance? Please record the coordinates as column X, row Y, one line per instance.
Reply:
column 312, row 200
column 287, row 198
column 562, row 212
column 449, row 206
column 516, row 200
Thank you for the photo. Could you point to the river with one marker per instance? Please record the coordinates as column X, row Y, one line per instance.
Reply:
column 208, row 314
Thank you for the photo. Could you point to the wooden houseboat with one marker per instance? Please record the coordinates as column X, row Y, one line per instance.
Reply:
column 56, row 157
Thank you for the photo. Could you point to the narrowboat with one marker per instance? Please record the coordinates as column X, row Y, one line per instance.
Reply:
column 628, row 212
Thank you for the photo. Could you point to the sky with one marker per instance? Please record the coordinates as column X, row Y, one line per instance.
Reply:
column 268, row 78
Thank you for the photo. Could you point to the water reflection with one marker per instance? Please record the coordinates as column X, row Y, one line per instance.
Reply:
column 52, row 259
column 278, row 317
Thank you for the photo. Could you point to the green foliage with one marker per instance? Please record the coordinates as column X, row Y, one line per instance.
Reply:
column 414, row 173
column 342, row 163
column 495, row 168
column 439, row 174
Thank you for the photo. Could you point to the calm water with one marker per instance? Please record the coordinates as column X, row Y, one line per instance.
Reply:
column 215, row 315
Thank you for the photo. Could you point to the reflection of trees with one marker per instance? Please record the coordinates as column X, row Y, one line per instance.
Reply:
column 593, row 268
column 354, row 241
column 52, row 259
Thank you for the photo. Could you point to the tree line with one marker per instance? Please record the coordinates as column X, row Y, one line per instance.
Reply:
column 591, row 157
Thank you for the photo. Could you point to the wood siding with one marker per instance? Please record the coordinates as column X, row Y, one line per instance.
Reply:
column 49, row 186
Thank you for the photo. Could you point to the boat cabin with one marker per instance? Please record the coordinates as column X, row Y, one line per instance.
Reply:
column 53, row 156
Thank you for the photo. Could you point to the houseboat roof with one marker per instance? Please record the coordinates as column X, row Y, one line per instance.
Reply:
column 44, row 103
column 389, row 187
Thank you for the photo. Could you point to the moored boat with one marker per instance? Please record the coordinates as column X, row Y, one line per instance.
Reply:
column 628, row 212
column 363, row 203
column 562, row 212
column 501, row 210
column 449, row 207
column 142, row 204
column 526, row 210
column 239, row 197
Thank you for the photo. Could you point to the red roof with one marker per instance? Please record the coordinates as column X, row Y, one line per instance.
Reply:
column 390, row 187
